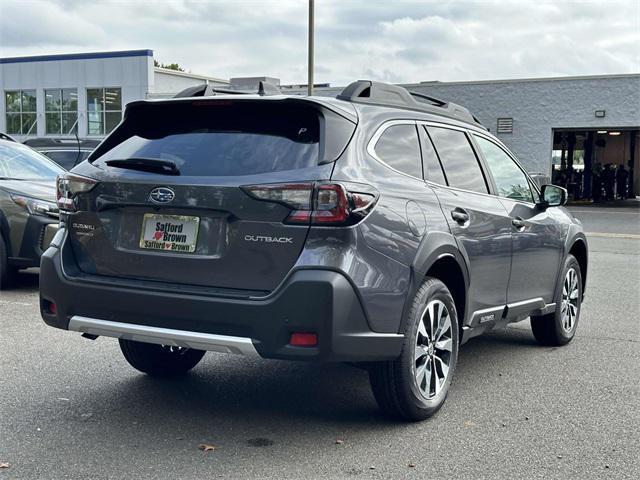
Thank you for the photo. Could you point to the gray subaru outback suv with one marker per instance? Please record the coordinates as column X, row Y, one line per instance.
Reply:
column 381, row 227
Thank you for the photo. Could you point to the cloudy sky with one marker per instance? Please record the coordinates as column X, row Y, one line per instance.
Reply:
column 398, row 41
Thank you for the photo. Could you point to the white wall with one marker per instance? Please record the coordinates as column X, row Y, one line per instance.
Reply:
column 133, row 74
column 169, row 83
column 539, row 106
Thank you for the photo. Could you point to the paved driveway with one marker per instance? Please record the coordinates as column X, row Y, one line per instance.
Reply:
column 72, row 408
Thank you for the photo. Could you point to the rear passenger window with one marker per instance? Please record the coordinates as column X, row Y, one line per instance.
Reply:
column 398, row 147
column 458, row 159
column 430, row 163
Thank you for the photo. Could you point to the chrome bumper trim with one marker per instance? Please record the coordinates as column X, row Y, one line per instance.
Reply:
column 164, row 336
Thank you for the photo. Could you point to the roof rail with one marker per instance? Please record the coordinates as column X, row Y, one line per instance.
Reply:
column 206, row 90
column 388, row 95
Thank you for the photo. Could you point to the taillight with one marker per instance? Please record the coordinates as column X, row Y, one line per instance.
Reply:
column 68, row 186
column 316, row 204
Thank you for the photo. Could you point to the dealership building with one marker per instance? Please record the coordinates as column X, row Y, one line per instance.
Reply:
column 568, row 127
column 51, row 95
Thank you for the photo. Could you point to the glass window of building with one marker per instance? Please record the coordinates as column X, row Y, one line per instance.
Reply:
column 104, row 110
column 20, row 110
column 61, row 111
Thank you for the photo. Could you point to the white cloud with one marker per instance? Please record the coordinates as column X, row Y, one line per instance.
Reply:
column 400, row 41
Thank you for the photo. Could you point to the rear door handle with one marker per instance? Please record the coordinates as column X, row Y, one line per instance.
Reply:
column 460, row 215
column 518, row 223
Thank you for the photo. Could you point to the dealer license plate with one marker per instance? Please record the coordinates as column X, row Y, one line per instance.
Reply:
column 169, row 233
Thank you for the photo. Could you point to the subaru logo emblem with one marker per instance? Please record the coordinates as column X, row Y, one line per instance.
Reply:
column 162, row 195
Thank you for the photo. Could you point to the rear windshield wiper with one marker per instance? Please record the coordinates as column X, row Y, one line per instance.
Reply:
column 153, row 165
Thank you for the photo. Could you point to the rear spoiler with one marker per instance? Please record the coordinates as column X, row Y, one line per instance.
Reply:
column 336, row 124
column 206, row 90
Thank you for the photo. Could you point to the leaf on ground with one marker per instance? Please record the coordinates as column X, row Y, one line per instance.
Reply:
column 468, row 423
column 205, row 447
column 412, row 465
column 4, row 465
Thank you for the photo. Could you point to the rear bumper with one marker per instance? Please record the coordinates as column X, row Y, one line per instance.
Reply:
column 163, row 336
column 310, row 300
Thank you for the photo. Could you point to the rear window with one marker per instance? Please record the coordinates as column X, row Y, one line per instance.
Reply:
column 218, row 138
column 65, row 158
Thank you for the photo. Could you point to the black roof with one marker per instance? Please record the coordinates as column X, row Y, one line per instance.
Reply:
column 363, row 92
column 388, row 95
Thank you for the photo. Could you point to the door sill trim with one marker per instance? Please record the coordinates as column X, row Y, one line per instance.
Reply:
column 516, row 309
column 548, row 308
column 487, row 315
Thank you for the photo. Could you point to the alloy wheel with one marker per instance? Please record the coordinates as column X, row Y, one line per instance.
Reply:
column 569, row 303
column 433, row 349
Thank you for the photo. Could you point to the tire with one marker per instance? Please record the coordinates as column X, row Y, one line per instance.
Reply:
column 395, row 384
column 7, row 272
column 559, row 327
column 160, row 360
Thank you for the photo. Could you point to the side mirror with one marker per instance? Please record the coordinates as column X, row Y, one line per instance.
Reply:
column 540, row 178
column 552, row 196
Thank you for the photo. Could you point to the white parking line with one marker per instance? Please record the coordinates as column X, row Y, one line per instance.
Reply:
column 631, row 236
column 22, row 304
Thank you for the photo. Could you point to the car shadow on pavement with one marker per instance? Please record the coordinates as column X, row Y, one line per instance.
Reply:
column 25, row 280
column 234, row 399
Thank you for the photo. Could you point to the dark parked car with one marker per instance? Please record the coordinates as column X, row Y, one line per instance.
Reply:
column 28, row 211
column 66, row 152
column 380, row 227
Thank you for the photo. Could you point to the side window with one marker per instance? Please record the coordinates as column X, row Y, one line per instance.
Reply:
column 398, row 147
column 430, row 163
column 458, row 159
column 510, row 179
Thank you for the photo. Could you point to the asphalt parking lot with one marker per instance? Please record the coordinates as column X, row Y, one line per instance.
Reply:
column 72, row 408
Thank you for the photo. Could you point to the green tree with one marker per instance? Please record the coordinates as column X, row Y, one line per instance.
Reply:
column 169, row 66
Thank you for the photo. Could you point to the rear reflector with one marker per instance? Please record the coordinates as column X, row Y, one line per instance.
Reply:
column 303, row 339
column 49, row 307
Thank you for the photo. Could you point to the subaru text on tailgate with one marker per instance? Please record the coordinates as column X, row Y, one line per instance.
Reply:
column 381, row 227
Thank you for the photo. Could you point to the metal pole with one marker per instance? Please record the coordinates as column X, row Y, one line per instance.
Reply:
column 310, row 66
